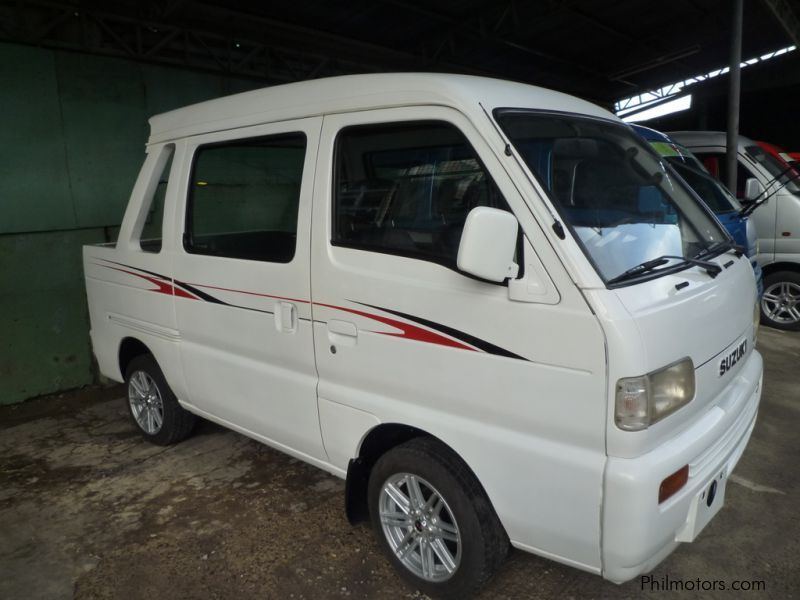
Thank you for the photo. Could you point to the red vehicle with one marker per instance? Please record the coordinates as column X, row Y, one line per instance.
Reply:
column 790, row 159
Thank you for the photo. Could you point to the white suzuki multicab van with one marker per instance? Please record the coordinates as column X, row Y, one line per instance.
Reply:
column 491, row 307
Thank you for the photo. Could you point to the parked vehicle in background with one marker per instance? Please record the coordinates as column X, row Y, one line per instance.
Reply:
column 716, row 196
column 488, row 306
column 778, row 153
column 770, row 190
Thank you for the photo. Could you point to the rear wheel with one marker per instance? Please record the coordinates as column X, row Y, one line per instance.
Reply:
column 780, row 302
column 433, row 520
column 153, row 406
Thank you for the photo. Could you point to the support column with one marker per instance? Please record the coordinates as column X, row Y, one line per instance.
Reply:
column 734, row 92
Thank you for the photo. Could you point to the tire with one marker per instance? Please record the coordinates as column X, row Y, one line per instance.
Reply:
column 780, row 302
column 152, row 405
column 464, row 524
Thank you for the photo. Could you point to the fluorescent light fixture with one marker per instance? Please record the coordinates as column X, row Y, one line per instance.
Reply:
column 666, row 108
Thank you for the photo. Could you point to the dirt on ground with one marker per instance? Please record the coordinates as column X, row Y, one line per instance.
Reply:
column 88, row 509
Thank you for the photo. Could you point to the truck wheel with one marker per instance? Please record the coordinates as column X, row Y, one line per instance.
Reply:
column 433, row 519
column 153, row 406
column 780, row 302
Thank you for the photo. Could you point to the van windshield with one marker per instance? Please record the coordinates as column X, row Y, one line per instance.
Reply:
column 776, row 169
column 711, row 191
column 622, row 202
column 677, row 154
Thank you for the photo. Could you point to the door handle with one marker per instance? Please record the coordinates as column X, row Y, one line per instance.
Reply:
column 343, row 333
column 285, row 317
column 342, row 328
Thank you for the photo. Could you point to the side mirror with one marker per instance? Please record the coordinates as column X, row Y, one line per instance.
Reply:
column 488, row 243
column 752, row 189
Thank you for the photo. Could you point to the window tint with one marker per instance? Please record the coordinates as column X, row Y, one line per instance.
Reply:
column 150, row 237
column 615, row 193
column 778, row 169
column 407, row 189
column 712, row 192
column 244, row 198
column 717, row 166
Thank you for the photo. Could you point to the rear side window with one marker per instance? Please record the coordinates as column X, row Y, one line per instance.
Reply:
column 150, row 238
column 407, row 188
column 244, row 198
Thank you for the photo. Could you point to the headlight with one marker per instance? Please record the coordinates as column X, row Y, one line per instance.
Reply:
column 642, row 401
column 756, row 320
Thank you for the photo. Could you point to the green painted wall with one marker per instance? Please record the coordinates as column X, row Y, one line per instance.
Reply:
column 71, row 144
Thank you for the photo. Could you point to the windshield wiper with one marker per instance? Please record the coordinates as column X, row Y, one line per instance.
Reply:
column 711, row 268
column 722, row 246
column 748, row 209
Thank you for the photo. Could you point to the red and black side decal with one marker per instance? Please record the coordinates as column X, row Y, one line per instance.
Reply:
column 418, row 329
column 169, row 286
column 209, row 298
column 408, row 331
column 164, row 285
column 469, row 340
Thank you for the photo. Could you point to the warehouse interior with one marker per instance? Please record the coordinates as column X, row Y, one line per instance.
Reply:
column 79, row 80
column 82, row 78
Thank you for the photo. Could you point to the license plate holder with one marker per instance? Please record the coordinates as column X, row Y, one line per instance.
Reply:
column 704, row 506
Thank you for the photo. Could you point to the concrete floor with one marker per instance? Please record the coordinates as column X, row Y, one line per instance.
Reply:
column 89, row 510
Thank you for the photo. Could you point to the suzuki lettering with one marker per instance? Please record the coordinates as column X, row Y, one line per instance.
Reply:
column 727, row 363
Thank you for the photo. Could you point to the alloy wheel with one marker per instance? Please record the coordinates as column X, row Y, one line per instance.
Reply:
column 420, row 527
column 781, row 302
column 145, row 401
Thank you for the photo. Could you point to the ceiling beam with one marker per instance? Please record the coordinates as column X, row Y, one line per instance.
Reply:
column 298, row 52
column 477, row 27
column 324, row 42
column 786, row 16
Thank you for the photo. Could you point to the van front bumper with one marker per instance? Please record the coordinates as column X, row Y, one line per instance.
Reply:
column 638, row 532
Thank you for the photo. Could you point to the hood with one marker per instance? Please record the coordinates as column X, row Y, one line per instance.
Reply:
column 707, row 320
column 699, row 320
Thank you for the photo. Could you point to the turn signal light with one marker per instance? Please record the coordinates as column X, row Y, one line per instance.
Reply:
column 672, row 484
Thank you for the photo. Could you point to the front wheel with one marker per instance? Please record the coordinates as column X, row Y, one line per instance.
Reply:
column 780, row 302
column 433, row 520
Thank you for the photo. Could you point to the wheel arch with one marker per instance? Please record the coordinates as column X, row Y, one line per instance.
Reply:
column 129, row 348
column 775, row 267
column 376, row 442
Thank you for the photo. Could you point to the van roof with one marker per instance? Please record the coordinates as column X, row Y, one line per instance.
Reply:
column 360, row 92
column 706, row 138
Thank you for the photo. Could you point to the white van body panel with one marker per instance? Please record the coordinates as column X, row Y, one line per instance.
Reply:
column 354, row 93
column 520, row 407
column 233, row 346
column 312, row 355
column 638, row 533
column 656, row 312
column 121, row 281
